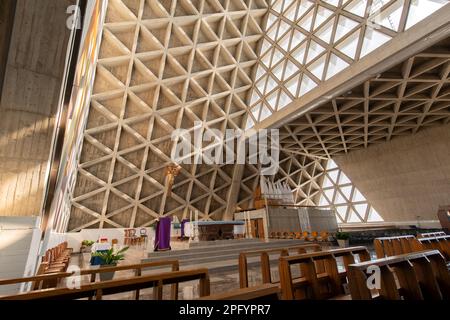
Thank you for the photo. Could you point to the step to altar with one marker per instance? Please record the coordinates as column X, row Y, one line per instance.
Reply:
column 221, row 256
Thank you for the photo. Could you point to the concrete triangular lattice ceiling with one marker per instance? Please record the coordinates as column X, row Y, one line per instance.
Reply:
column 162, row 66
column 320, row 182
column 307, row 42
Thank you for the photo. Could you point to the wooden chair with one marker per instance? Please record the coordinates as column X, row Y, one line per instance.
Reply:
column 127, row 237
column 313, row 236
column 323, row 236
column 412, row 276
column 305, row 235
column 315, row 283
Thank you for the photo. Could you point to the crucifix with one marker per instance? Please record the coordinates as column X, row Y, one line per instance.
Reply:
column 171, row 172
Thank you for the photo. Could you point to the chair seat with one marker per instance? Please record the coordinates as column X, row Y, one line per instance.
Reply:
column 54, row 270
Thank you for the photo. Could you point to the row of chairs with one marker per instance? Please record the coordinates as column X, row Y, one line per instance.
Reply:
column 55, row 259
column 132, row 239
column 305, row 235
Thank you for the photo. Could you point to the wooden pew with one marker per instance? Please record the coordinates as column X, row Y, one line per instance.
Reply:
column 55, row 260
column 138, row 268
column 265, row 261
column 54, row 280
column 39, row 282
column 313, row 283
column 263, row 292
column 431, row 234
column 412, row 276
column 100, row 289
column 391, row 246
column 441, row 243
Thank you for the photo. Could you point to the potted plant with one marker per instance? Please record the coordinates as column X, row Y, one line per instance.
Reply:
column 342, row 239
column 86, row 246
column 109, row 258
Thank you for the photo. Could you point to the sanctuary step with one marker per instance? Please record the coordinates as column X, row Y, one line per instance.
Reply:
column 241, row 242
column 220, row 258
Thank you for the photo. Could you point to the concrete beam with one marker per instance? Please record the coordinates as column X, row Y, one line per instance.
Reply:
column 234, row 192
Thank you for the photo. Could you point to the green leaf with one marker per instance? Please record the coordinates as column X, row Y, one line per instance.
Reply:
column 109, row 257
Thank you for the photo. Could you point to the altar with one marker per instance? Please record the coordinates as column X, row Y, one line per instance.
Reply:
column 215, row 230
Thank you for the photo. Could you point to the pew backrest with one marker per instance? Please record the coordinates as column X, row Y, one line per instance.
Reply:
column 391, row 246
column 414, row 276
column 264, row 256
column 441, row 243
column 431, row 234
column 137, row 268
column 310, row 273
column 38, row 282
